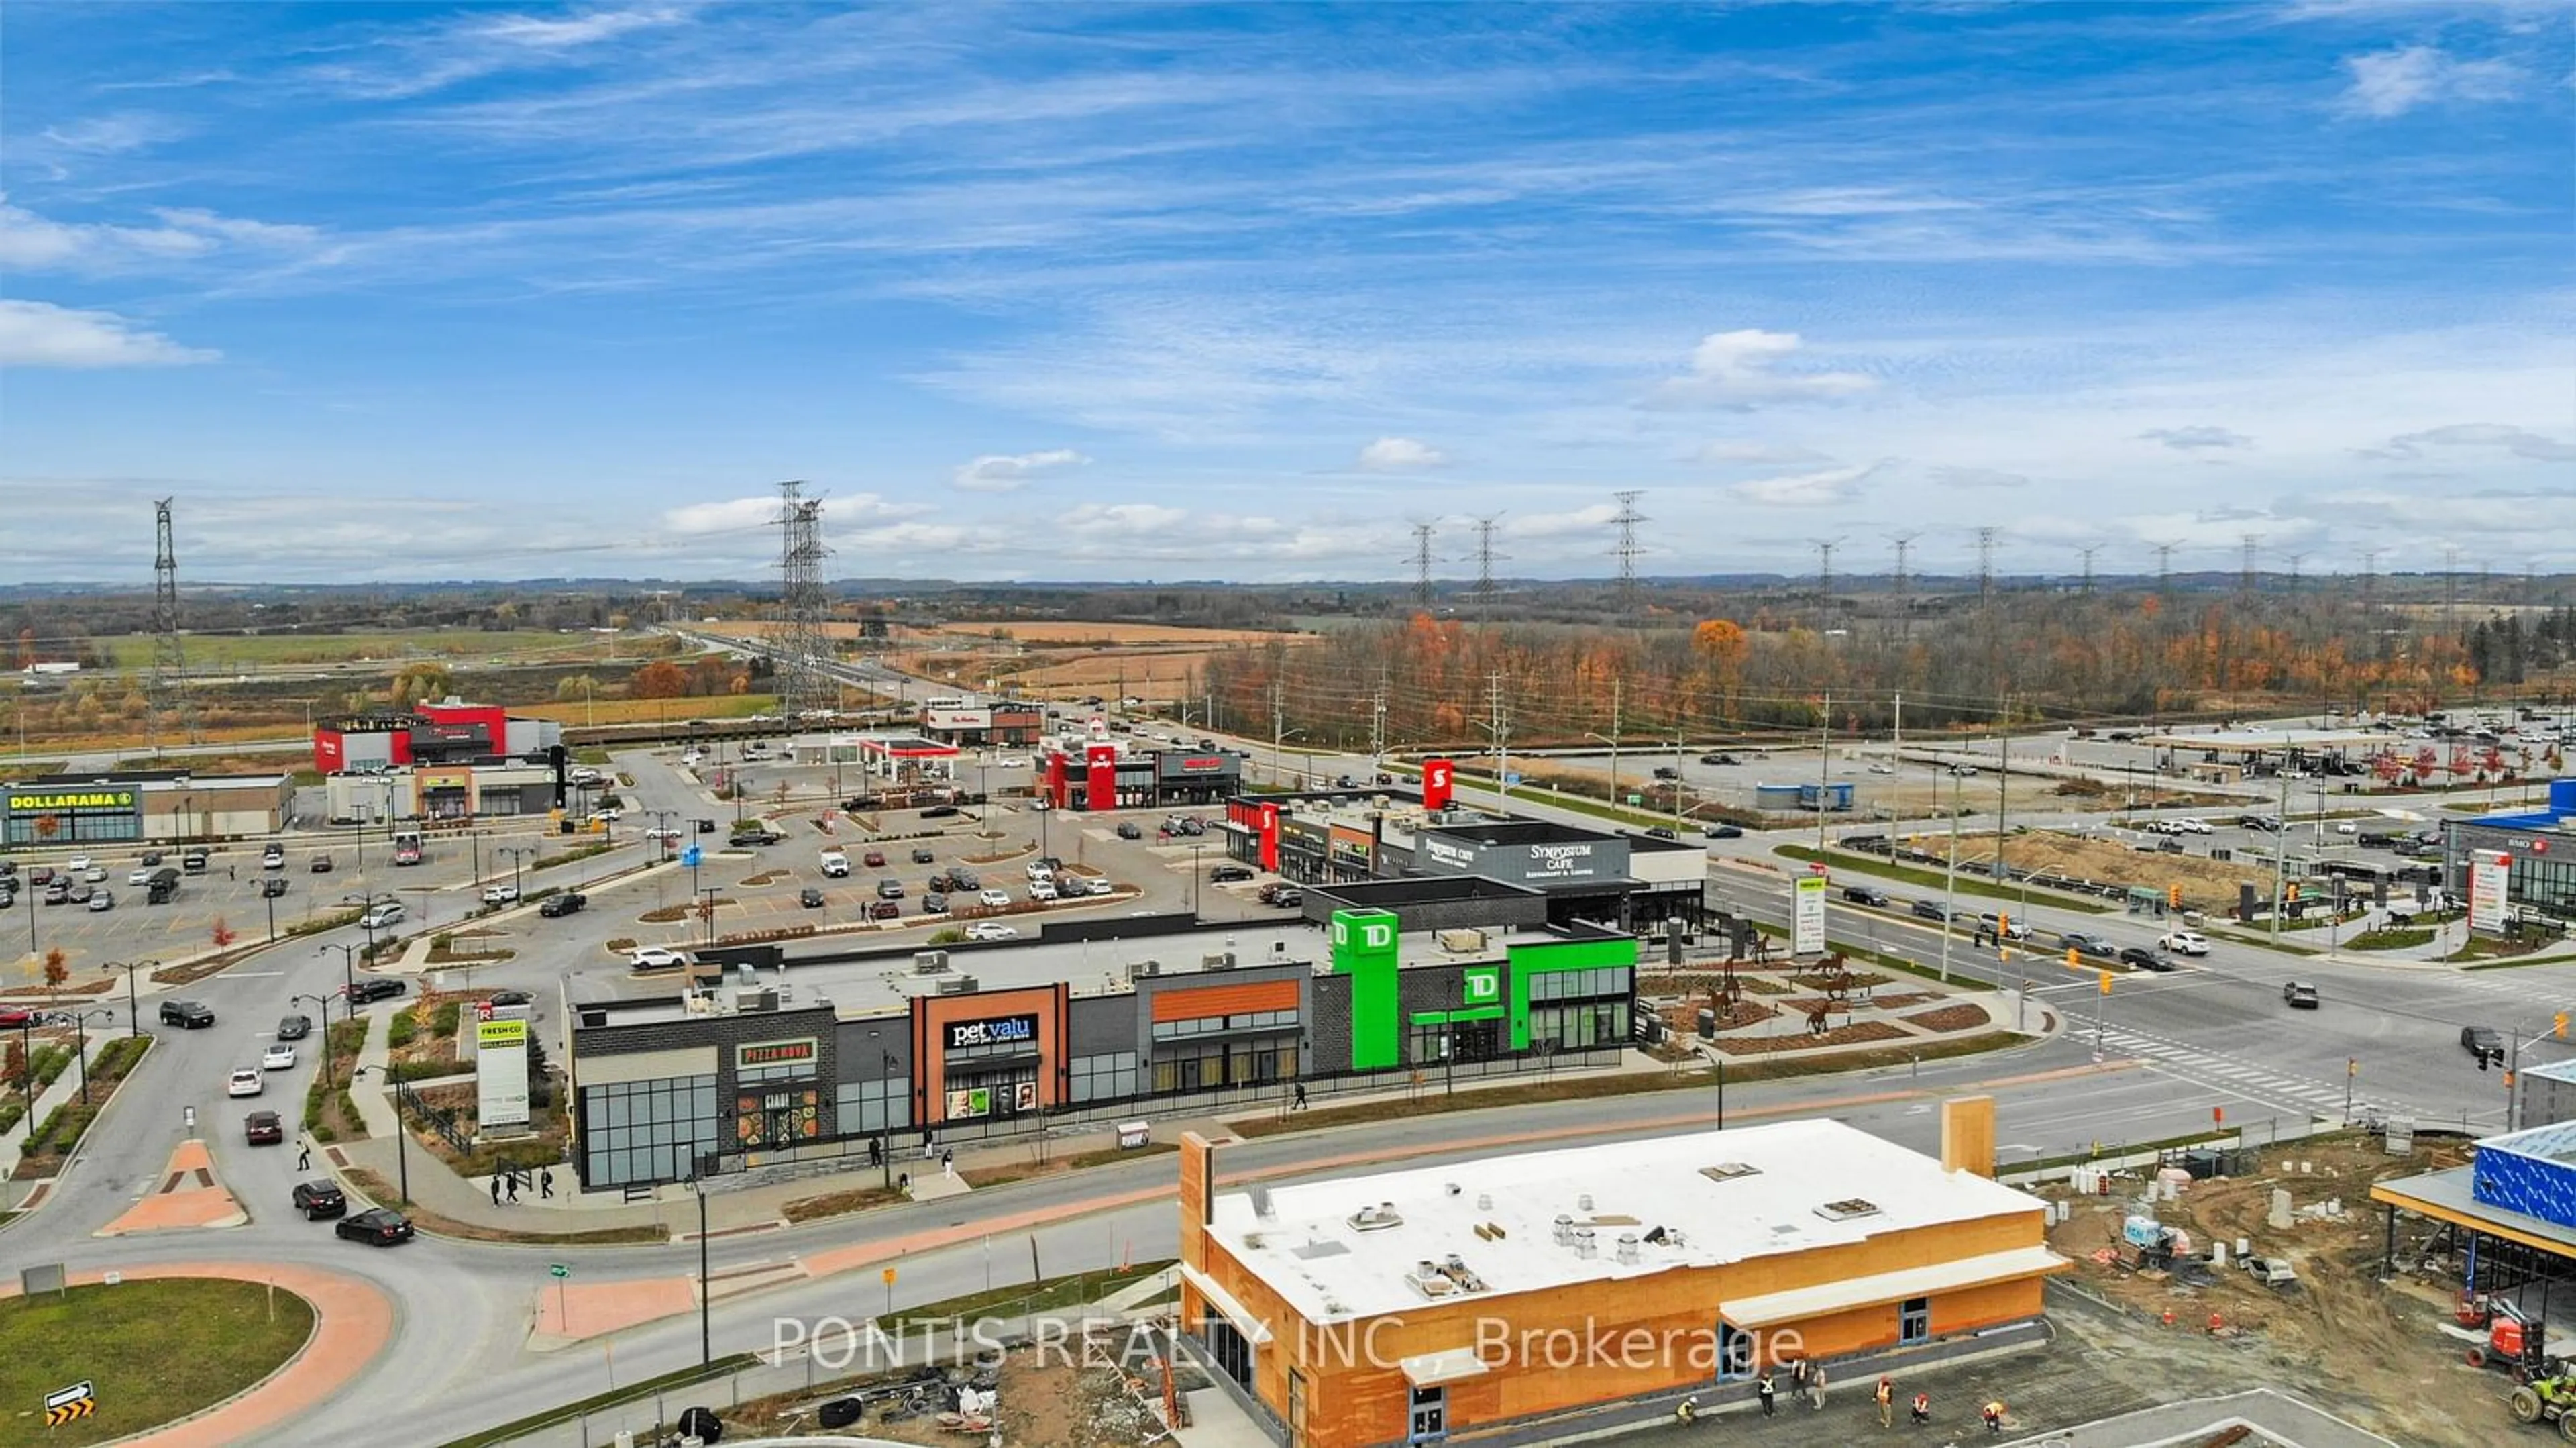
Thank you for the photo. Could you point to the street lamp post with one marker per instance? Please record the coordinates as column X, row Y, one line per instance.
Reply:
column 348, row 970
column 27, row 1071
column 706, row 1332
column 1950, row 879
column 80, row 1029
column 323, row 1004
column 518, row 855
column 133, row 1011
column 1194, row 878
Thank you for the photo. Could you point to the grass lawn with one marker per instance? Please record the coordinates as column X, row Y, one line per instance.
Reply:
column 394, row 646
column 1936, row 879
column 156, row 1350
column 2392, row 939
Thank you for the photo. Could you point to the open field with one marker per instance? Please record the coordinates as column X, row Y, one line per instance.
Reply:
column 220, row 651
column 1076, row 634
column 651, row 711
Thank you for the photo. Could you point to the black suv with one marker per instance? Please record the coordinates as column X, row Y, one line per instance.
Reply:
column 2141, row 958
column 320, row 1200
column 2483, row 1043
column 1865, row 895
column 1225, row 874
column 2078, row 941
column 563, row 904
column 376, row 988
column 187, row 1015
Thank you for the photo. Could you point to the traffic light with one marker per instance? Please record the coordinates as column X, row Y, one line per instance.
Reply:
column 2173, row 897
column 2003, row 928
column 2106, row 982
column 2293, row 895
column 2559, row 1027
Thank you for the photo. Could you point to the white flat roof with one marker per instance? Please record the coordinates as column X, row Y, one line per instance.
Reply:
column 2269, row 740
column 1803, row 1186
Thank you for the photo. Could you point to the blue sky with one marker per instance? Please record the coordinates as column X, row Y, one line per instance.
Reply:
column 427, row 291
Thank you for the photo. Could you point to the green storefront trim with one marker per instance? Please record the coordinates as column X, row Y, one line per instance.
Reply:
column 1364, row 949
column 1442, row 1018
column 1543, row 957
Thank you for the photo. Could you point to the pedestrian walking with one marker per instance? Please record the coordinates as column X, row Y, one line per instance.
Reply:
column 927, row 1150
column 948, row 1163
column 496, row 1189
column 304, row 1156
column 1762, row 1389
column 876, row 1151
column 233, row 873
column 1994, row 1415
column 1886, row 1401
column 514, row 1189
column 1922, row 1409
column 1301, row 1095
column 1816, row 1387
column 546, row 1184
column 1798, row 1378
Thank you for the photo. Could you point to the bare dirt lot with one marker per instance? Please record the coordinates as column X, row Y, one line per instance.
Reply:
column 2375, row 1354
column 1046, row 1400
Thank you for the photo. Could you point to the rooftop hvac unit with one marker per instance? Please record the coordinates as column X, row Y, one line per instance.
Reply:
column 755, row 1000
column 594, row 1018
column 1223, row 960
column 968, row 985
column 1462, row 942
column 929, row 962
column 1139, row 969
column 1261, row 1205
column 954, row 985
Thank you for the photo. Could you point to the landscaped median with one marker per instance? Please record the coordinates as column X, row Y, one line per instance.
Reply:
column 59, row 1134
column 1841, row 860
column 153, row 1350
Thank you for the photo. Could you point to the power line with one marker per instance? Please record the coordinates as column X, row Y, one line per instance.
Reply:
column 803, row 683
column 1628, row 518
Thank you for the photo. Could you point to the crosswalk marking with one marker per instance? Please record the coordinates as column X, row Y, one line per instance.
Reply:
column 2255, row 1082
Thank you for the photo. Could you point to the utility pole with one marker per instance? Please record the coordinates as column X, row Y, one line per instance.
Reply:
column 2003, row 777
column 2280, row 846
column 1824, row 765
column 1377, row 731
column 1499, row 725
column 1617, row 701
column 1278, row 723
column 1950, row 880
column 1896, row 749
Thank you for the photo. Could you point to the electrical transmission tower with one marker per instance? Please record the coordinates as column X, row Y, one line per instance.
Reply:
column 1825, row 564
column 2245, row 577
column 1904, row 601
column 1628, row 518
column 1485, row 556
column 169, row 686
column 2369, row 576
column 2293, row 559
column 1986, row 564
column 2164, row 566
column 2088, row 565
column 804, row 681
column 1423, row 528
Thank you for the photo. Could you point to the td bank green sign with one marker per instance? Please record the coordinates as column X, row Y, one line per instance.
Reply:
column 1484, row 985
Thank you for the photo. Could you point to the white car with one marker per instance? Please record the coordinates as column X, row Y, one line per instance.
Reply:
column 280, row 1057
column 1038, row 870
column 655, row 957
column 991, row 930
column 500, row 894
column 95, row 874
column 2192, row 826
column 691, row 757
column 1882, row 769
column 380, row 916
column 2347, row 827
column 76, row 864
column 1042, row 891
column 663, row 832
column 245, row 1082
column 2184, row 942
column 612, row 814
column 142, row 876
column 1010, row 761
column 995, row 899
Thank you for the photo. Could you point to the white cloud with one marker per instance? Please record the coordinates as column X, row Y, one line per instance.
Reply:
column 2187, row 439
column 1550, row 525
column 2392, row 82
column 1006, row 473
column 1735, row 370
column 40, row 334
column 1773, row 454
column 436, row 58
column 1978, row 478
column 1400, row 455
column 31, row 242
column 530, row 31
column 2521, row 442
column 110, row 135
column 1820, row 489
column 733, row 515
column 740, row 515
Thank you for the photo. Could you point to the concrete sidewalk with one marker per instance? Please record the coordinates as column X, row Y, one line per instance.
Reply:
column 65, row 1087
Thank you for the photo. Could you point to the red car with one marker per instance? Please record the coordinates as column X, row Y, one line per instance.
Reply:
column 876, row 859
column 884, row 910
column 263, row 1128
column 12, row 1017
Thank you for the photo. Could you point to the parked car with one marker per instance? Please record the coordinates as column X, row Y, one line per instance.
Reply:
column 140, row 876
column 964, row 879
column 280, row 1057
column 939, row 812
column 2138, row 957
column 889, row 889
column 2299, row 997
column 102, row 900
column 557, row 906
column 1865, row 895
column 77, row 864
column 1130, row 830
column 186, row 1015
column 1227, row 874
column 272, row 887
column 875, row 859
column 194, row 862
column 382, row 1226
column 1193, row 825
column 1042, row 891
column 923, row 856
column 655, row 957
column 272, row 858
column 294, row 1028
column 321, row 865
column 991, row 930
column 263, row 1128
column 245, row 1081
column 2183, row 942
column 755, row 837
column 1039, row 870
column 1964, row 771
column 376, row 988
column 2483, row 1043
column 810, row 897
column 512, row 998
column 884, row 910
column 994, row 899
column 934, row 903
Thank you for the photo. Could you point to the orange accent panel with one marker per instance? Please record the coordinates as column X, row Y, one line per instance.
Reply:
column 1225, row 1000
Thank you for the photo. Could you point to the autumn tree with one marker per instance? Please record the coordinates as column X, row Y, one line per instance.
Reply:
column 421, row 683
column 660, row 679
column 222, row 933
column 57, row 968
